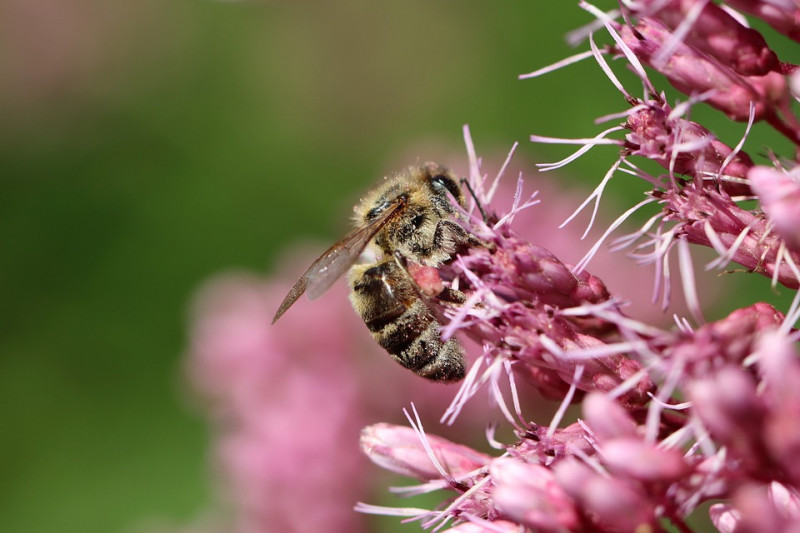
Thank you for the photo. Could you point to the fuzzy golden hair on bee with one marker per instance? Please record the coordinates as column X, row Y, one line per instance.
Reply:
column 423, row 229
column 420, row 183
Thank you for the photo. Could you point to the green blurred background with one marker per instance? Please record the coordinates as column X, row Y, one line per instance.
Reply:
column 145, row 146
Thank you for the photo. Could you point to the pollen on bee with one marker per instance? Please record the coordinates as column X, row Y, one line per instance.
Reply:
column 427, row 278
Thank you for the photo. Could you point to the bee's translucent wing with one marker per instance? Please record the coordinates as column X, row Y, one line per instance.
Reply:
column 334, row 262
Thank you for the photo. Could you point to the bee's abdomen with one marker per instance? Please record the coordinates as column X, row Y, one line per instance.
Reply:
column 414, row 341
column 377, row 297
column 403, row 324
column 398, row 336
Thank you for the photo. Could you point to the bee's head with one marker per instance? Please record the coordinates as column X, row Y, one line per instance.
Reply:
column 422, row 185
column 441, row 182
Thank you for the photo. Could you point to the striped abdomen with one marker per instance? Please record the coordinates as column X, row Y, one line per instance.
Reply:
column 402, row 323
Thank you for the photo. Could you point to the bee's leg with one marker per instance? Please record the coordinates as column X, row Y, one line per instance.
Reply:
column 452, row 296
column 453, row 238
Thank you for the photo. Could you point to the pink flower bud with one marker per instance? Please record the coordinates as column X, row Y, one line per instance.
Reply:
column 694, row 73
column 727, row 402
column 530, row 285
column 495, row 526
column 399, row 449
column 608, row 501
column 728, row 406
column 717, row 33
column 779, row 195
column 782, row 15
column 643, row 461
column 657, row 135
column 780, row 369
column 530, row 495
column 607, row 418
column 724, row 517
column 760, row 508
column 727, row 341
column 524, row 271
column 703, row 211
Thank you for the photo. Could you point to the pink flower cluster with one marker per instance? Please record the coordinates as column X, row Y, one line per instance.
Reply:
column 669, row 420
column 259, row 387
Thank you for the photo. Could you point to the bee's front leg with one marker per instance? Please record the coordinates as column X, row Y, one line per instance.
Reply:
column 452, row 238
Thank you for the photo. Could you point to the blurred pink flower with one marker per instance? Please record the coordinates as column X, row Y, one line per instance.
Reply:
column 614, row 504
column 530, row 495
column 783, row 15
column 482, row 526
column 67, row 54
column 759, row 508
column 269, row 395
column 779, row 194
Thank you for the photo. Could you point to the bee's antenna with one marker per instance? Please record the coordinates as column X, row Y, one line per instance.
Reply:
column 465, row 182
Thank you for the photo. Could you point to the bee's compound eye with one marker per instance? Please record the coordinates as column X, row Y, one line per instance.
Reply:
column 442, row 182
column 439, row 180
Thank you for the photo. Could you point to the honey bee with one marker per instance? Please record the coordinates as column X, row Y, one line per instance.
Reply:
column 408, row 217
